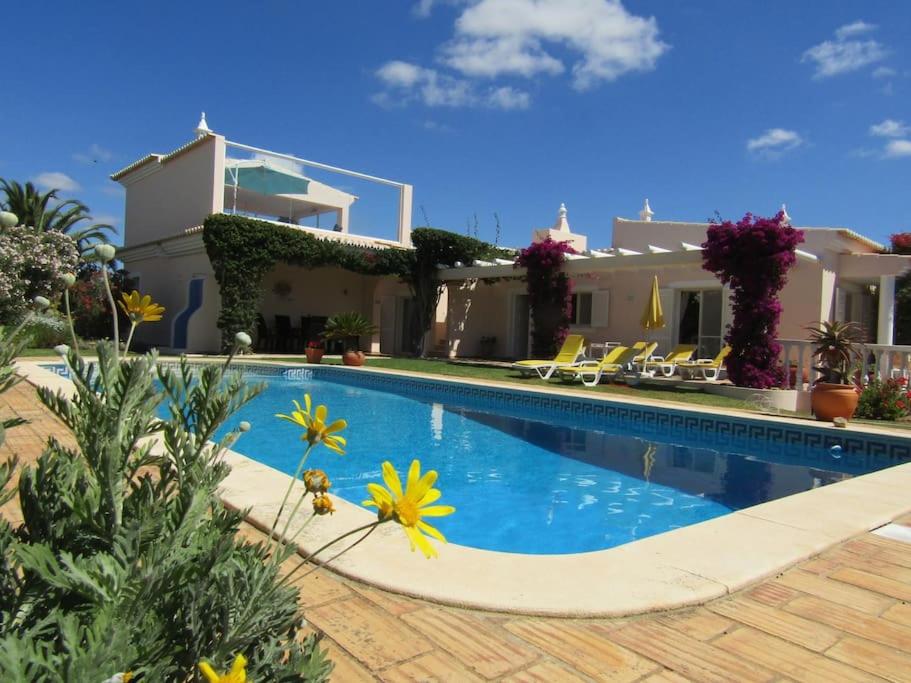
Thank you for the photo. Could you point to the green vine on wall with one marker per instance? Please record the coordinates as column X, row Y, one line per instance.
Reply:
column 243, row 250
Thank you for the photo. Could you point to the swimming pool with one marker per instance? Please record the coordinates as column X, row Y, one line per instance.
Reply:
column 543, row 473
column 543, row 480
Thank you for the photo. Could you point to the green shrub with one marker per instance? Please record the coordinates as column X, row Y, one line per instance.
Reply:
column 884, row 400
column 46, row 330
column 127, row 560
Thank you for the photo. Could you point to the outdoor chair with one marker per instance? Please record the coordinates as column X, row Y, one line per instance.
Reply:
column 568, row 356
column 667, row 365
column 591, row 372
column 709, row 369
column 264, row 339
column 644, row 351
column 285, row 335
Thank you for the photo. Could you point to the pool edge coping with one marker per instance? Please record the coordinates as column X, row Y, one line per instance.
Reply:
column 658, row 573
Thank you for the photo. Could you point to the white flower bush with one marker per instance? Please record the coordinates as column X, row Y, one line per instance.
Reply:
column 32, row 264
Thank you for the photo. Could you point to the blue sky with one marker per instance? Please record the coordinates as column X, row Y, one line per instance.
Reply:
column 507, row 106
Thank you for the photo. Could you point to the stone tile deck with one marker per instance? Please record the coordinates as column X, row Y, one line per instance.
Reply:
column 843, row 615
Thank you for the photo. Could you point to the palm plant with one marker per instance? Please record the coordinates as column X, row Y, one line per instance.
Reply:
column 348, row 327
column 46, row 212
column 836, row 348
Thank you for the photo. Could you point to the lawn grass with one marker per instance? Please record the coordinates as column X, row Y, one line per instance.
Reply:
column 438, row 366
column 38, row 353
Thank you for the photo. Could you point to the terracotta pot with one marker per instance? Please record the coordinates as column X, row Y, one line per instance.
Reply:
column 314, row 355
column 355, row 358
column 833, row 400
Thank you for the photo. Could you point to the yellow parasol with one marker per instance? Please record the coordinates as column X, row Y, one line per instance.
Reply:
column 653, row 317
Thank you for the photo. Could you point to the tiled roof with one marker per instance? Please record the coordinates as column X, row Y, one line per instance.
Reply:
column 160, row 158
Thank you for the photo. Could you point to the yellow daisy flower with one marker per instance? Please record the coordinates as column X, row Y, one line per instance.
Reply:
column 315, row 424
column 237, row 674
column 408, row 508
column 140, row 309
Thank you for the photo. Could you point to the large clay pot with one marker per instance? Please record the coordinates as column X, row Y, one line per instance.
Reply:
column 355, row 358
column 314, row 355
column 833, row 400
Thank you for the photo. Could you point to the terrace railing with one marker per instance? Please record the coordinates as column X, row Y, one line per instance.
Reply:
column 878, row 360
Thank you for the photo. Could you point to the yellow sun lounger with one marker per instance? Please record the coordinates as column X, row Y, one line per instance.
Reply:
column 708, row 369
column 568, row 356
column 667, row 365
column 591, row 372
column 644, row 351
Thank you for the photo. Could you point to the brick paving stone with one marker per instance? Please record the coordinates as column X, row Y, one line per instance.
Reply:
column 346, row 669
column 878, row 584
column 372, row 636
column 666, row 676
column 687, row 656
column 584, row 648
column 835, row 591
column 852, row 621
column 545, row 672
column 900, row 613
column 392, row 603
column 478, row 646
column 434, row 667
column 873, row 657
column 700, row 624
column 787, row 658
column 772, row 594
column 874, row 565
column 810, row 635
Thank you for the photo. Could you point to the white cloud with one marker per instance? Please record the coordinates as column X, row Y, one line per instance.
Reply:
column 845, row 54
column 595, row 41
column 406, row 82
column 94, row 154
column 507, row 97
column 897, row 148
column 51, row 180
column 890, row 128
column 774, row 142
column 883, row 72
column 854, row 29
column 496, row 37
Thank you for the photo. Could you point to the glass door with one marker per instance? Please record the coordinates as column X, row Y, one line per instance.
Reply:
column 699, row 322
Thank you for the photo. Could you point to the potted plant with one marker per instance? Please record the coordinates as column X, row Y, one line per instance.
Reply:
column 834, row 394
column 349, row 327
column 314, row 351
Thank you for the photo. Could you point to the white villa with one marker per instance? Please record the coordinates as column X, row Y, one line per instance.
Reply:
column 840, row 274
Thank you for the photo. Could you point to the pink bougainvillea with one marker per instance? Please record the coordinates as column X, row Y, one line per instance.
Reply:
column 753, row 257
column 550, row 294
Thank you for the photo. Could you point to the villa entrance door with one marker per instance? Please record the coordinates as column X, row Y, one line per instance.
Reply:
column 699, row 320
column 518, row 346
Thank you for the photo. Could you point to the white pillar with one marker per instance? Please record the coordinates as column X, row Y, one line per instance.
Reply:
column 886, row 309
column 341, row 218
column 404, row 232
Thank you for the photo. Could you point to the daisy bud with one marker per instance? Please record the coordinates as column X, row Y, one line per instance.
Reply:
column 244, row 426
column 242, row 339
column 41, row 302
column 68, row 279
column 105, row 252
column 8, row 219
column 323, row 505
column 62, row 350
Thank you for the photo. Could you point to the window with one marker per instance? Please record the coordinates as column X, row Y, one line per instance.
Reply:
column 582, row 309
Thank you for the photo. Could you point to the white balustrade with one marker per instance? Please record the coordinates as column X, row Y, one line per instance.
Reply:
column 877, row 360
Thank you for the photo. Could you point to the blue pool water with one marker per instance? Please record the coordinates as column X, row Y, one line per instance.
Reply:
column 522, row 485
column 549, row 474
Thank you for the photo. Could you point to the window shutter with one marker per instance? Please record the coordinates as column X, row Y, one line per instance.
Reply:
column 601, row 308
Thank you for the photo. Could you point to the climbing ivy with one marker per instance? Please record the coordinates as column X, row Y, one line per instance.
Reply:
column 242, row 250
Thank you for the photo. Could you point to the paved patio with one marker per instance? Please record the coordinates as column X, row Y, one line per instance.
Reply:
column 841, row 616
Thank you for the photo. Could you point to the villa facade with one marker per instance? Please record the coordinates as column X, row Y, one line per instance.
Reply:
column 839, row 274
column 169, row 196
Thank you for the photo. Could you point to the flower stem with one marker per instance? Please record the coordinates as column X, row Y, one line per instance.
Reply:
column 107, row 288
column 69, row 318
column 297, row 473
column 126, row 350
column 309, row 557
column 341, row 552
